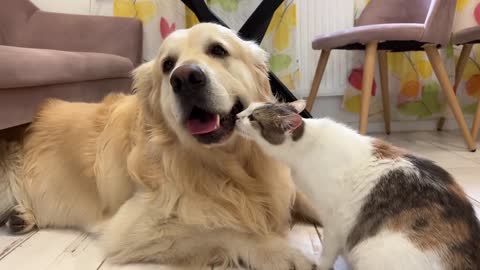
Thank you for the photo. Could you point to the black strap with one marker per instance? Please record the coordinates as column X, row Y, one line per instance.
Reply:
column 256, row 25
column 203, row 13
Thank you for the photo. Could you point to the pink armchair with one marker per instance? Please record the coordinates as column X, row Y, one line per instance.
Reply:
column 71, row 57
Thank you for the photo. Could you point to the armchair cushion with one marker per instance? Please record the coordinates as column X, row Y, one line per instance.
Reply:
column 467, row 35
column 26, row 67
column 368, row 33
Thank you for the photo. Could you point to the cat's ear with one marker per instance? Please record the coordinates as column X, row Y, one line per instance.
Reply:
column 290, row 123
column 298, row 105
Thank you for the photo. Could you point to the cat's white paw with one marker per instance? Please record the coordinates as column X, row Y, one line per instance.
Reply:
column 274, row 258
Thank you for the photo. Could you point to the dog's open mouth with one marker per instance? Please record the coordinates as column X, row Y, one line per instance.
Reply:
column 209, row 127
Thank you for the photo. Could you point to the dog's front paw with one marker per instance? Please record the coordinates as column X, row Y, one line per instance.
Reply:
column 21, row 220
column 278, row 258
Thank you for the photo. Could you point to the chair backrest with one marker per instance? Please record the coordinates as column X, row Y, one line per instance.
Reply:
column 439, row 22
column 436, row 16
column 14, row 16
column 394, row 11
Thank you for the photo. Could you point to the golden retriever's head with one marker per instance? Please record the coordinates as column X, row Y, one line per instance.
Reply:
column 201, row 78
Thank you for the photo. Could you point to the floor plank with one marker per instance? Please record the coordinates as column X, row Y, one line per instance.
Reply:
column 446, row 151
column 449, row 141
column 39, row 251
column 83, row 253
column 107, row 266
column 305, row 238
column 9, row 242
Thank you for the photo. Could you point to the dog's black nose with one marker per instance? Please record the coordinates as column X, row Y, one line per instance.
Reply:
column 187, row 77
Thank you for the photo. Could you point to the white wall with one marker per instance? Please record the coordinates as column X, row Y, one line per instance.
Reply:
column 65, row 6
column 316, row 17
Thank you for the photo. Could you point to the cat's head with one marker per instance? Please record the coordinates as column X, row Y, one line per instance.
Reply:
column 272, row 123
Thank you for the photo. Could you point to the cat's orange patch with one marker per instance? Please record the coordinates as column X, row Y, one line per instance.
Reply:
column 428, row 229
column 384, row 150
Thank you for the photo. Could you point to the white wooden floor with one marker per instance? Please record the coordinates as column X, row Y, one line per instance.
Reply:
column 70, row 250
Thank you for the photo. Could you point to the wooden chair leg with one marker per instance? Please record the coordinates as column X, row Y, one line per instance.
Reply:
column 460, row 68
column 367, row 83
column 383, row 65
column 462, row 63
column 476, row 122
column 442, row 76
column 322, row 63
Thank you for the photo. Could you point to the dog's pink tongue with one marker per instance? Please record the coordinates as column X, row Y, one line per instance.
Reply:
column 198, row 127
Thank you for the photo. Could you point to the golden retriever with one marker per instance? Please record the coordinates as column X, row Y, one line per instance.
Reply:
column 161, row 173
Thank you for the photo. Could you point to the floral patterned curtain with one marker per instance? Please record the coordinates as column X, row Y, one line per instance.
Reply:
column 161, row 17
column 414, row 90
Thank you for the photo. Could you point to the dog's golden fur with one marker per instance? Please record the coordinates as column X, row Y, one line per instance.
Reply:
column 127, row 168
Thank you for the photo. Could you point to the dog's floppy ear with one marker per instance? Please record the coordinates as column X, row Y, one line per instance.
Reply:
column 260, row 58
column 146, row 88
column 259, row 54
column 142, row 77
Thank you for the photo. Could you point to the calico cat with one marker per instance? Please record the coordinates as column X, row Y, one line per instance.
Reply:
column 381, row 207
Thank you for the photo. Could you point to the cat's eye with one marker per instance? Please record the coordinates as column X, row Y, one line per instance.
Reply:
column 168, row 64
column 217, row 50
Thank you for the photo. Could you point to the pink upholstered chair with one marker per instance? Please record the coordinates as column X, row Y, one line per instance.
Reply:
column 394, row 25
column 70, row 57
column 467, row 38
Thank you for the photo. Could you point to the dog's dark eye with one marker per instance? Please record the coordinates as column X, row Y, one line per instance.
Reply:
column 217, row 50
column 251, row 118
column 168, row 64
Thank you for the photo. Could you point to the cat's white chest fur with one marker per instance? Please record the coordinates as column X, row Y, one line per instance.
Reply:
column 326, row 173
